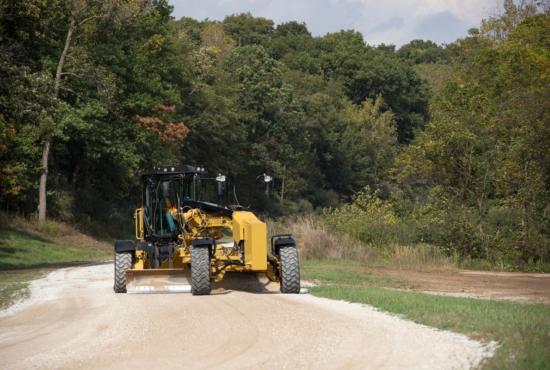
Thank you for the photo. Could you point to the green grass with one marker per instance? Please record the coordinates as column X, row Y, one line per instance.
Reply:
column 14, row 285
column 522, row 330
column 25, row 255
column 19, row 249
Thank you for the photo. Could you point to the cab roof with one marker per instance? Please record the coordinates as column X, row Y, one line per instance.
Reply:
column 179, row 169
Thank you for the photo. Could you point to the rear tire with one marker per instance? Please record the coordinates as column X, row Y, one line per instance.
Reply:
column 123, row 261
column 200, row 271
column 290, row 270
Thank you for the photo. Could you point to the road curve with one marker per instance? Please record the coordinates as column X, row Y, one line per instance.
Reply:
column 74, row 320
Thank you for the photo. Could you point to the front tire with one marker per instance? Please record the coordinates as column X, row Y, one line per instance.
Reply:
column 200, row 271
column 123, row 261
column 290, row 270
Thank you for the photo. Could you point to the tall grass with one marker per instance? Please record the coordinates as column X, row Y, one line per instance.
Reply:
column 317, row 240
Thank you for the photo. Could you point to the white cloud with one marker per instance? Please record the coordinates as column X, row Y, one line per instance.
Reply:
column 450, row 18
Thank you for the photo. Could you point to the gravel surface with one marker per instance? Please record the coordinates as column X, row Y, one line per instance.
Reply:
column 74, row 320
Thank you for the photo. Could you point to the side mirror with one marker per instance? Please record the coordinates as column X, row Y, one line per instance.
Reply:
column 220, row 181
column 266, row 180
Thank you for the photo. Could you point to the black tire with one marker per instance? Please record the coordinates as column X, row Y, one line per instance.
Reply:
column 123, row 261
column 200, row 271
column 290, row 270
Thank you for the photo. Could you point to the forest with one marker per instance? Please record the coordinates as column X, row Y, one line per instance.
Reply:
column 441, row 144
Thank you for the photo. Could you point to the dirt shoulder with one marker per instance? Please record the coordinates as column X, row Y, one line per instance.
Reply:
column 516, row 286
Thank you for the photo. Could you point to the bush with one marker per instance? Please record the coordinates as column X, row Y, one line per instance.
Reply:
column 317, row 239
column 456, row 231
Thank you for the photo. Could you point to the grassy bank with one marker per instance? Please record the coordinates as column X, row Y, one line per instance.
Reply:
column 522, row 330
column 26, row 244
column 28, row 250
column 21, row 250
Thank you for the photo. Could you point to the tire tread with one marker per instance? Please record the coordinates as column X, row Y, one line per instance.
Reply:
column 290, row 270
column 200, row 271
column 123, row 261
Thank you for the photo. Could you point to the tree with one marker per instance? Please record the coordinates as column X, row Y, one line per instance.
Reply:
column 248, row 30
column 137, row 105
column 422, row 52
column 215, row 40
column 497, row 28
column 79, row 14
column 367, row 72
column 483, row 158
column 402, row 90
column 272, row 118
column 288, row 39
column 369, row 143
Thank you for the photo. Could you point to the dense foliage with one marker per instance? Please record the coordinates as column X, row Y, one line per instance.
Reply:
column 116, row 87
column 451, row 142
column 476, row 181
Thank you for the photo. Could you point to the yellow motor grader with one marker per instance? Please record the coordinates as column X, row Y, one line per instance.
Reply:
column 182, row 235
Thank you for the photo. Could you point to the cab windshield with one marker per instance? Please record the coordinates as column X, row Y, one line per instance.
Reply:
column 162, row 195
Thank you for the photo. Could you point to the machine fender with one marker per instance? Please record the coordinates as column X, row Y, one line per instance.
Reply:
column 205, row 243
column 279, row 241
column 122, row 246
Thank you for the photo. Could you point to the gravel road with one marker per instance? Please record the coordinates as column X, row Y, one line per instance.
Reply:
column 74, row 320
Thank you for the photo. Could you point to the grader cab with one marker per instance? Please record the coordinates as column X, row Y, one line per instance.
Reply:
column 188, row 236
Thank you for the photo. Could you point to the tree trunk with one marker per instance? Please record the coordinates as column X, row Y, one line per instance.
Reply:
column 42, row 201
column 283, row 185
column 61, row 62
column 43, row 179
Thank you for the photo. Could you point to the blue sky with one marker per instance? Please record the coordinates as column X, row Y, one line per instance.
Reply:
column 381, row 21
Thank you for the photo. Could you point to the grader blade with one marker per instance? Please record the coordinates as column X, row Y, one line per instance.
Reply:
column 152, row 281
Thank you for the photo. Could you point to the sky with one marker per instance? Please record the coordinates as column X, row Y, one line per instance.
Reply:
column 380, row 21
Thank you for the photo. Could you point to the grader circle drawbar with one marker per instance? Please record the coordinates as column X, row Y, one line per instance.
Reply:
column 181, row 235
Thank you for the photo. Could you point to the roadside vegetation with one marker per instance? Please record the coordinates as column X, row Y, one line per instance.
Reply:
column 319, row 239
column 424, row 146
column 345, row 267
column 29, row 250
column 26, row 244
column 14, row 285
column 369, row 239
column 521, row 330
column 422, row 157
column 19, row 249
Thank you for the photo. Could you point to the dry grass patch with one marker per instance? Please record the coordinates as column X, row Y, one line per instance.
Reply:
column 316, row 240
